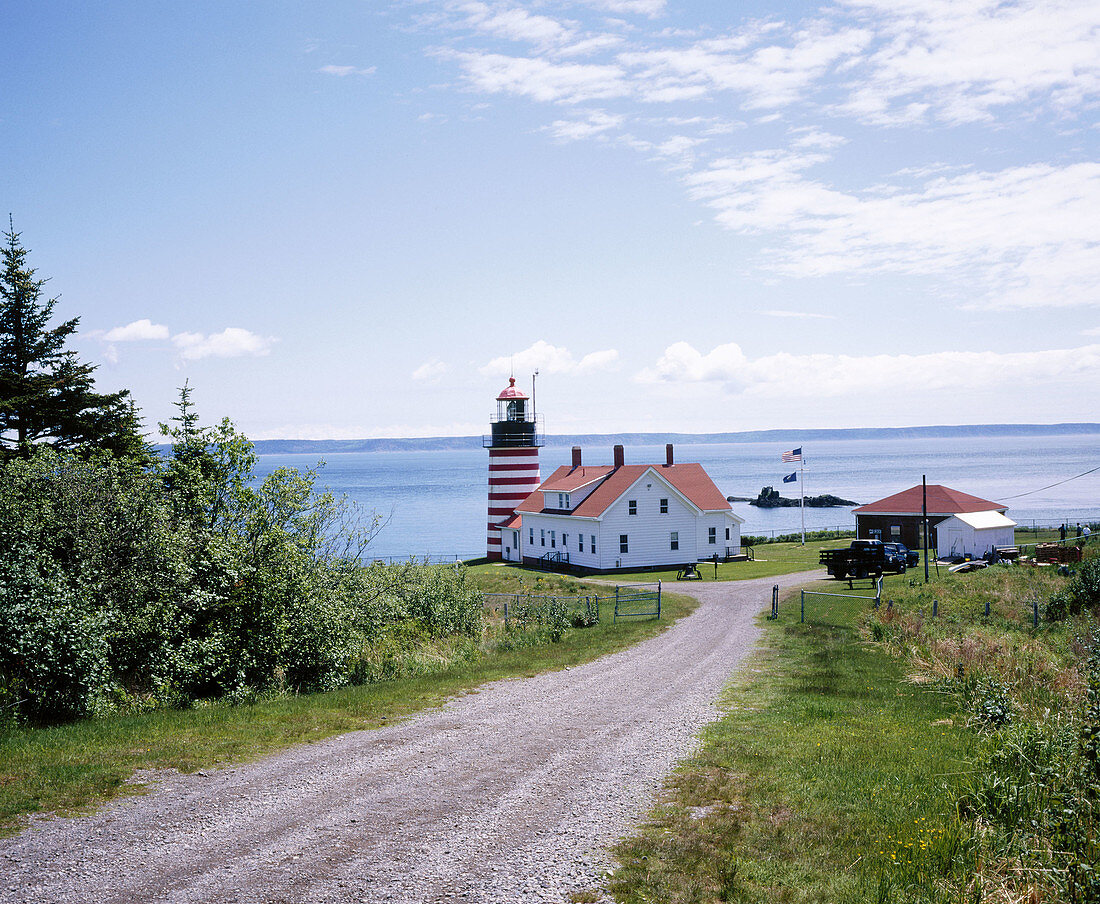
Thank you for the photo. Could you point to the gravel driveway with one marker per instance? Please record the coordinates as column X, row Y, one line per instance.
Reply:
column 509, row 794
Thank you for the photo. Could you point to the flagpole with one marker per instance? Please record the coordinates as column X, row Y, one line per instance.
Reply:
column 802, row 493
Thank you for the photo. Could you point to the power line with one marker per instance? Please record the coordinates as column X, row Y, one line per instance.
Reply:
column 1058, row 484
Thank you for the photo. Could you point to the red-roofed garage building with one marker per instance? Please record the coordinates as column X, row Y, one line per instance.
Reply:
column 622, row 517
column 898, row 518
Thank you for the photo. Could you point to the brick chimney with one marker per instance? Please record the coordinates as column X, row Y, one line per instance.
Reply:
column 668, row 455
column 620, row 459
column 576, row 456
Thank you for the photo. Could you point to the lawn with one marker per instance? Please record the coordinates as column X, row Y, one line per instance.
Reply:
column 828, row 770
column 863, row 756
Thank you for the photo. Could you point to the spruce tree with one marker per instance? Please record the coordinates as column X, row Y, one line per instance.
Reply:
column 46, row 393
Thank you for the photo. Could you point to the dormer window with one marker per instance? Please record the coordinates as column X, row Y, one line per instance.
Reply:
column 563, row 501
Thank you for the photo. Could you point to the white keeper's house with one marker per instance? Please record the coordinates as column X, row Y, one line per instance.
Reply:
column 622, row 517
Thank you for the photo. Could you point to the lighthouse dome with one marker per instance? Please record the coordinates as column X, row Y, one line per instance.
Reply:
column 510, row 392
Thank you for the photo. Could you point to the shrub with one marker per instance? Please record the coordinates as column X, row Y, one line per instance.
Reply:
column 53, row 654
column 1080, row 595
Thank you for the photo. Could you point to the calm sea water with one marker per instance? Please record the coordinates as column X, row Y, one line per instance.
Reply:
column 436, row 501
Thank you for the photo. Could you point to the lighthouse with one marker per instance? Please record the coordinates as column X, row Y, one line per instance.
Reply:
column 513, row 446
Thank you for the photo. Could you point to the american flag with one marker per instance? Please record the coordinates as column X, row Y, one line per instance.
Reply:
column 793, row 455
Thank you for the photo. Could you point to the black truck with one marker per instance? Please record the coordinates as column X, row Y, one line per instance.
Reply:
column 864, row 558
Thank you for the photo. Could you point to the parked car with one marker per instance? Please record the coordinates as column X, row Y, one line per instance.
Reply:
column 901, row 555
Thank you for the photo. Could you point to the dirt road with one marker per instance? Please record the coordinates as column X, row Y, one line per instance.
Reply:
column 510, row 794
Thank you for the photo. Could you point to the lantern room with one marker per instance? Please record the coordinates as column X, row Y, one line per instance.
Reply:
column 515, row 421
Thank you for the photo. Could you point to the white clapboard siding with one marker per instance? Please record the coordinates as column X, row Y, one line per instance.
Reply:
column 649, row 531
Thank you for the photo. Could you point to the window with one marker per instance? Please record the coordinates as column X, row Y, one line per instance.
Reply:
column 580, row 542
column 532, row 536
column 515, row 539
column 561, row 500
column 727, row 533
column 593, row 543
column 542, row 536
column 566, row 501
column 553, row 539
column 895, row 532
column 624, row 543
column 674, row 541
column 664, row 506
column 632, row 507
column 565, row 541
column 712, row 534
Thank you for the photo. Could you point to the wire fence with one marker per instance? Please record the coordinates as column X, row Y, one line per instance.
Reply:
column 629, row 601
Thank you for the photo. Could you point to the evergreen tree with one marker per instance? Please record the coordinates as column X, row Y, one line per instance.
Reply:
column 46, row 393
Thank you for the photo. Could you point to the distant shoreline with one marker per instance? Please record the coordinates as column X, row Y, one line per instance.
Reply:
column 786, row 437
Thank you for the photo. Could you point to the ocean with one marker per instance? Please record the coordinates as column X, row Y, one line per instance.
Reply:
column 435, row 501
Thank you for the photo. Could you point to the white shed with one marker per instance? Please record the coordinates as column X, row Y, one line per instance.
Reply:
column 975, row 534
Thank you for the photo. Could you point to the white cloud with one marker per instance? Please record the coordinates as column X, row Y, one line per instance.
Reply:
column 879, row 61
column 232, row 342
column 138, row 331
column 961, row 61
column 824, row 375
column 514, row 23
column 1022, row 237
column 540, row 79
column 430, row 371
column 764, row 74
column 345, row 71
column 649, row 8
column 592, row 124
column 549, row 359
column 1000, row 234
column 814, row 138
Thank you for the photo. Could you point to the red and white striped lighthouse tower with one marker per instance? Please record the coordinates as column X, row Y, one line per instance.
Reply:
column 513, row 460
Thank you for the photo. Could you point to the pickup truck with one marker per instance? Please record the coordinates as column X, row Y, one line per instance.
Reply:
column 864, row 558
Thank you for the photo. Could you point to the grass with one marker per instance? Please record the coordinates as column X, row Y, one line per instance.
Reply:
column 772, row 559
column 70, row 768
column 827, row 772
column 846, row 748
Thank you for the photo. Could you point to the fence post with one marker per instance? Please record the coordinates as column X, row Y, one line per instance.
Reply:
column 658, row 601
column 1035, row 611
column 987, row 607
column 802, row 616
column 935, row 608
column 616, row 604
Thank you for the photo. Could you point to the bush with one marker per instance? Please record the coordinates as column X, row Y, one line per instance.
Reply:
column 1080, row 595
column 53, row 654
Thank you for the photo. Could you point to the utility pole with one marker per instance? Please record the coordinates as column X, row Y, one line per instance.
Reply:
column 924, row 520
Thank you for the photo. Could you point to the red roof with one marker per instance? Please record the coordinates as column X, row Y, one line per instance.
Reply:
column 515, row 521
column 568, row 480
column 690, row 479
column 941, row 501
column 510, row 392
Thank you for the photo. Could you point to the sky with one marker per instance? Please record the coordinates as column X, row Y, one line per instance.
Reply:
column 357, row 219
